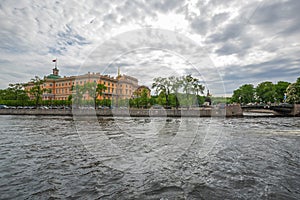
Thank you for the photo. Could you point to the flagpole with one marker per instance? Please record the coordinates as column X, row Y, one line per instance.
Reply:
column 55, row 63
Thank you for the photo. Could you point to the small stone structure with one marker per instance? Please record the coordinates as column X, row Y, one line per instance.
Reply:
column 296, row 110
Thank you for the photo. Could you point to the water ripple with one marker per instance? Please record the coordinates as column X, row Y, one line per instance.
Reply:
column 240, row 158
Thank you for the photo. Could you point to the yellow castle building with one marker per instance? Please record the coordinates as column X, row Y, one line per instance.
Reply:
column 60, row 88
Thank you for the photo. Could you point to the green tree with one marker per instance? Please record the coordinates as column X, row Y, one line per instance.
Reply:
column 94, row 90
column 191, row 86
column 201, row 100
column 187, row 86
column 198, row 87
column 176, row 84
column 15, row 93
column 162, row 86
column 153, row 100
column 265, row 92
column 293, row 92
column 37, row 91
column 144, row 98
column 244, row 94
column 77, row 94
column 18, row 91
column 280, row 90
column 161, row 98
column 70, row 97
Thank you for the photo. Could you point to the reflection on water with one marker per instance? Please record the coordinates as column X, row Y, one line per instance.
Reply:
column 149, row 158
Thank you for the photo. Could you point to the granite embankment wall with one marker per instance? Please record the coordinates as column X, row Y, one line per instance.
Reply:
column 296, row 110
column 228, row 111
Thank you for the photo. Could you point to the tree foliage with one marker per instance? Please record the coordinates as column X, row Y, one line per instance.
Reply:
column 244, row 94
column 267, row 92
column 293, row 92
column 94, row 90
column 37, row 91
column 77, row 94
column 16, row 93
column 169, row 90
column 162, row 85
column 280, row 90
column 191, row 87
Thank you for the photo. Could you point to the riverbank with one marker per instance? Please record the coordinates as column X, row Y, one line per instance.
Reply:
column 228, row 111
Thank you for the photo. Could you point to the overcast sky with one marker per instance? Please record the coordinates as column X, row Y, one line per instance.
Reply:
column 225, row 43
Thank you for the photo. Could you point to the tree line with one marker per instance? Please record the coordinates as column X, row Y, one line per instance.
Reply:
column 178, row 91
column 268, row 92
column 16, row 95
column 169, row 92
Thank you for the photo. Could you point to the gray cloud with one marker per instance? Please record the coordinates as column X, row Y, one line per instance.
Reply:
column 275, row 70
column 220, row 18
column 200, row 26
column 245, row 41
column 231, row 31
column 165, row 5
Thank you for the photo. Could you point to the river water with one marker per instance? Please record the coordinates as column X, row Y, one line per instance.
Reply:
column 44, row 157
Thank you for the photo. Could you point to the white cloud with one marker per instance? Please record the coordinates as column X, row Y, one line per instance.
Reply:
column 244, row 40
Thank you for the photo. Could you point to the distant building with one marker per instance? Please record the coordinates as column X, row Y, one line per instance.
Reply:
column 126, row 85
column 140, row 89
column 60, row 88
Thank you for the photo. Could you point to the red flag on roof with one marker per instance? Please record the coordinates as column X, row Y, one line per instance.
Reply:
column 54, row 60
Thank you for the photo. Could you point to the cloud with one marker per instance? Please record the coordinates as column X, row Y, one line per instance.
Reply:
column 237, row 40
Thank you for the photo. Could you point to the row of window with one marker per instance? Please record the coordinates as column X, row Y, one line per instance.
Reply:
column 62, row 91
column 108, row 90
column 77, row 82
column 120, row 91
column 57, row 98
